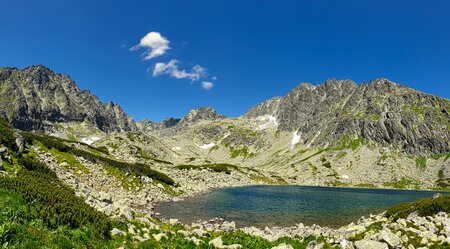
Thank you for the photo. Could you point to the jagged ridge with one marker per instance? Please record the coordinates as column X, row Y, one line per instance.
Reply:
column 380, row 111
column 31, row 97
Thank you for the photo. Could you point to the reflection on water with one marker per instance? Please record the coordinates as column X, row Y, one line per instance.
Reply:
column 287, row 205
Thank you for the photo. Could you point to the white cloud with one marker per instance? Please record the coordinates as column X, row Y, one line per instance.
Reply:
column 207, row 85
column 214, row 78
column 155, row 43
column 171, row 68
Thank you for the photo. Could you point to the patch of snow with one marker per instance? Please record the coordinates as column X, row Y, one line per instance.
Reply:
column 295, row 139
column 206, row 146
column 271, row 122
column 345, row 177
column 89, row 140
column 176, row 148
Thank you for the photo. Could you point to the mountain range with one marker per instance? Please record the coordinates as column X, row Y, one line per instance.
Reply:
column 381, row 111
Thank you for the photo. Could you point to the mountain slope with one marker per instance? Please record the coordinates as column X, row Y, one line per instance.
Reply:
column 34, row 96
column 380, row 111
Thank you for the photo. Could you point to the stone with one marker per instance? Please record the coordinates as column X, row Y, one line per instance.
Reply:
column 370, row 244
column 126, row 212
column 194, row 240
column 402, row 222
column 159, row 236
column 139, row 238
column 20, row 142
column 424, row 241
column 389, row 237
column 217, row 242
column 345, row 244
column 117, row 232
column 131, row 229
column 405, row 239
column 228, row 226
column 173, row 221
column 283, row 246
column 183, row 232
column 312, row 245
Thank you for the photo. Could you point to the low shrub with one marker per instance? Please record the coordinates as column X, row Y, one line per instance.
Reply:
column 59, row 205
column 7, row 136
column 425, row 207
column 60, row 145
column 216, row 167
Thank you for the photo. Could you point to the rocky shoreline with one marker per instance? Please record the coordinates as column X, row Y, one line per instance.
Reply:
column 373, row 232
column 103, row 192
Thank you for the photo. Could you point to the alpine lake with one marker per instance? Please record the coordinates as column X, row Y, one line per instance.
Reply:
column 268, row 205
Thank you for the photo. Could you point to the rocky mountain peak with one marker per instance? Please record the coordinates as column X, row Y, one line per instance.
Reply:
column 170, row 122
column 381, row 111
column 268, row 107
column 202, row 113
column 35, row 96
column 304, row 86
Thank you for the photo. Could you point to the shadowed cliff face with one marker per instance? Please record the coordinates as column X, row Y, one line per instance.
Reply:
column 35, row 95
column 380, row 111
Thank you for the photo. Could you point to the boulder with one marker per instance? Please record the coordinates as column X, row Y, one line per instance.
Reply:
column 117, row 232
column 173, row 221
column 228, row 226
column 370, row 244
column 159, row 236
column 389, row 237
column 217, row 242
column 345, row 244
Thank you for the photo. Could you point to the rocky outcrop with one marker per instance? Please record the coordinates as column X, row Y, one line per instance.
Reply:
column 32, row 98
column 268, row 107
column 147, row 126
column 172, row 126
column 380, row 111
column 202, row 113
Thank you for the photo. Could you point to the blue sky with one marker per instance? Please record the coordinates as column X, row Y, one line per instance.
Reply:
column 249, row 51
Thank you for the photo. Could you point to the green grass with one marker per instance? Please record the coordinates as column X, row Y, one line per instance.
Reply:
column 313, row 155
column 421, row 162
column 7, row 136
column 354, row 144
column 237, row 152
column 133, row 168
column 130, row 182
column 216, row 167
column 442, row 182
column 169, row 189
column 64, row 157
column 21, row 227
column 58, row 205
column 145, row 155
column 348, row 143
column 424, row 207
column 374, row 227
column 327, row 164
column 403, row 184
